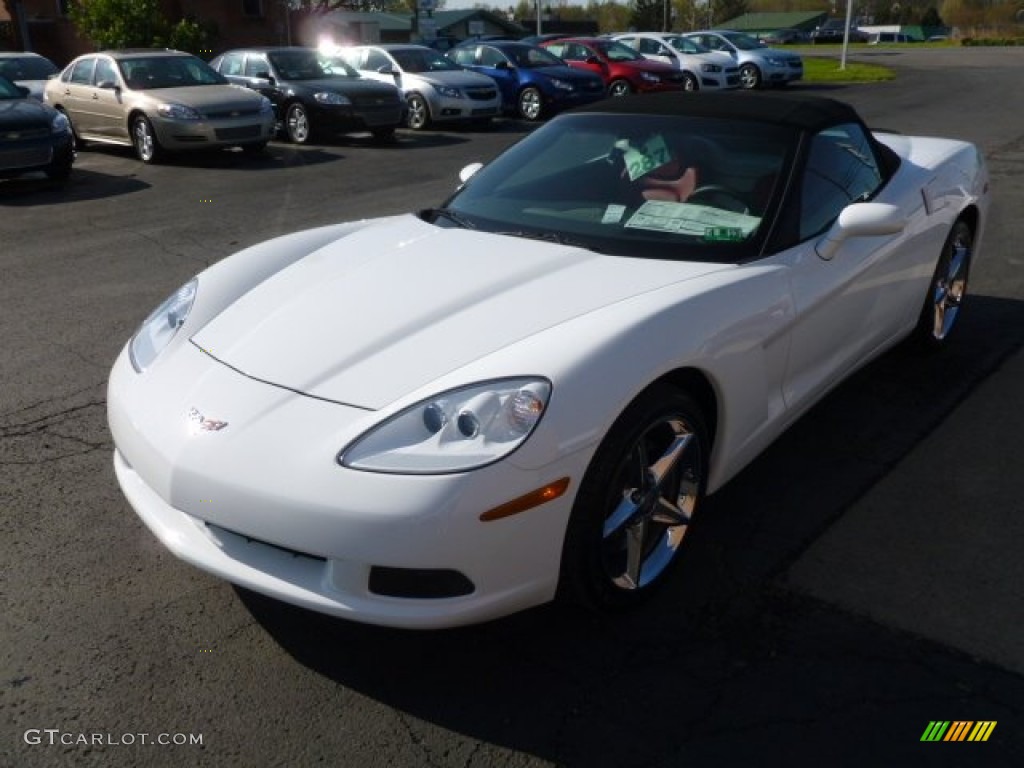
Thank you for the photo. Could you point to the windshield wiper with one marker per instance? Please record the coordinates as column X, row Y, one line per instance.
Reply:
column 447, row 213
column 551, row 237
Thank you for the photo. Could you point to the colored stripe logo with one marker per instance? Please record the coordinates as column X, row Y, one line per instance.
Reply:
column 958, row 730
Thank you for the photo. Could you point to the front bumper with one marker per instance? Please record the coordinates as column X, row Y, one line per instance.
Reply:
column 777, row 73
column 217, row 132
column 262, row 503
column 447, row 108
column 364, row 115
column 34, row 154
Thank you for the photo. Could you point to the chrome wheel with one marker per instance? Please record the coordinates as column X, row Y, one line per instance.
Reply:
column 147, row 147
column 619, row 88
column 530, row 104
column 296, row 124
column 419, row 113
column 637, row 500
column 948, row 286
column 750, row 76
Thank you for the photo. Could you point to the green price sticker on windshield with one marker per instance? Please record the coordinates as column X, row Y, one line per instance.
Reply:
column 723, row 234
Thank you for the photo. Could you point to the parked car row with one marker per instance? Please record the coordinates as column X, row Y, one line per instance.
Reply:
column 160, row 101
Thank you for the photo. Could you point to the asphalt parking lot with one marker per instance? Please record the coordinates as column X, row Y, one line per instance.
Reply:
column 860, row 580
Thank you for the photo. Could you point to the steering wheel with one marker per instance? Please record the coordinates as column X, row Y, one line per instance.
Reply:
column 718, row 196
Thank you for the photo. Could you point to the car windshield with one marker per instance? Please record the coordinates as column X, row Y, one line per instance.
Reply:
column 639, row 185
column 529, row 57
column 146, row 73
column 336, row 66
column 27, row 68
column 413, row 60
column 9, row 90
column 686, row 45
column 297, row 65
column 743, row 42
column 616, row 51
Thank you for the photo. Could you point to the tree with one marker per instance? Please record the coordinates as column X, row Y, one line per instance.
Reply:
column 647, row 15
column 119, row 23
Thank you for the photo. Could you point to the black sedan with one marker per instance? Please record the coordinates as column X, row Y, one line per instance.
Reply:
column 308, row 99
column 33, row 136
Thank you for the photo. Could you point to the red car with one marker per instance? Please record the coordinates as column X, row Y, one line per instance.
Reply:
column 622, row 68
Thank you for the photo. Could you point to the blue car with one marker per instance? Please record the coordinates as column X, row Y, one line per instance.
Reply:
column 534, row 83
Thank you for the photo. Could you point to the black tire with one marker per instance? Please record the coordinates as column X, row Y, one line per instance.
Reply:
column 60, row 168
column 418, row 116
column 297, row 127
column 947, row 289
column 750, row 77
column 690, row 82
column 147, row 146
column 619, row 88
column 627, row 523
column 530, row 104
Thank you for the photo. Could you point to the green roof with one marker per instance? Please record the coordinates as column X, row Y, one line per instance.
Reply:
column 766, row 22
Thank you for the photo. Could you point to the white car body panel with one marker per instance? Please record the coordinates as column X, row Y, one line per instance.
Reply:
column 267, row 353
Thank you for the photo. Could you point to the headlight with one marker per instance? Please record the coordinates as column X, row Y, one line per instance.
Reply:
column 455, row 431
column 159, row 328
column 777, row 62
column 60, row 123
column 448, row 91
column 650, row 77
column 178, row 112
column 710, row 68
column 329, row 97
column 561, row 85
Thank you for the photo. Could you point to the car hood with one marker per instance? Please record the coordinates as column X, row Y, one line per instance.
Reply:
column 24, row 113
column 350, row 86
column 774, row 53
column 384, row 311
column 203, row 97
column 452, row 78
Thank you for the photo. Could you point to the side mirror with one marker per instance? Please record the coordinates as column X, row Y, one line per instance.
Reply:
column 108, row 85
column 25, row 92
column 861, row 220
column 468, row 172
column 384, row 69
column 265, row 76
column 502, row 65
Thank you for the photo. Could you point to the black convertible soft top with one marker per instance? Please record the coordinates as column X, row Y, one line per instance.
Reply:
column 801, row 111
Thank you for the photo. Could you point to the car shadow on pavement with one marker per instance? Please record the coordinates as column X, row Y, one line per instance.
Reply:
column 82, row 185
column 722, row 667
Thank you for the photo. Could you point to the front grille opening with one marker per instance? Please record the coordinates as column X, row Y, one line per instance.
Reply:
column 218, row 531
column 423, row 583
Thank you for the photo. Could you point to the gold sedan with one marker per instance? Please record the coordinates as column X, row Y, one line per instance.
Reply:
column 158, row 101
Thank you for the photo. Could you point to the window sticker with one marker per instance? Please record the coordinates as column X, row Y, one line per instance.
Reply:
column 653, row 153
column 613, row 214
column 712, row 224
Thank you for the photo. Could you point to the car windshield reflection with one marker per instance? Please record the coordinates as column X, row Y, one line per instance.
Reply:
column 635, row 185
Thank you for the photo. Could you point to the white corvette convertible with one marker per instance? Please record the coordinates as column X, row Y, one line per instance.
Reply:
column 439, row 418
